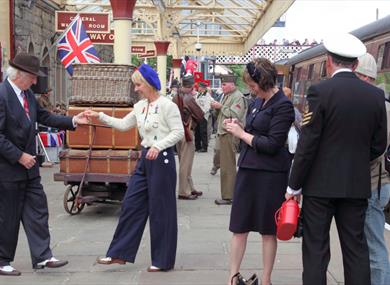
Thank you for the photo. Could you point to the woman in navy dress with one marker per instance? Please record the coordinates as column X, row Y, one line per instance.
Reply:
column 264, row 164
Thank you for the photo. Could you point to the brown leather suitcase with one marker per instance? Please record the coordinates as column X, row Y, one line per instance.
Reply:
column 105, row 138
column 101, row 161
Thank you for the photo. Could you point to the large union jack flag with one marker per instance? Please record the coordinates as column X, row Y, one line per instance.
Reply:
column 74, row 46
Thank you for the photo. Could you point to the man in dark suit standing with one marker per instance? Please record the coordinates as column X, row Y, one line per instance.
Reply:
column 343, row 129
column 22, row 198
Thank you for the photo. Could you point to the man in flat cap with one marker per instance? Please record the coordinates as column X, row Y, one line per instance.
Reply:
column 44, row 100
column 173, row 89
column 22, row 198
column 380, row 186
column 203, row 99
column 343, row 129
column 232, row 106
column 191, row 114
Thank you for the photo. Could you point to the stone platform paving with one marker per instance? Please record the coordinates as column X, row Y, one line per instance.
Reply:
column 202, row 253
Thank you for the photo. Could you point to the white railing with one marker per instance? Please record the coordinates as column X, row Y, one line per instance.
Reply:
column 272, row 52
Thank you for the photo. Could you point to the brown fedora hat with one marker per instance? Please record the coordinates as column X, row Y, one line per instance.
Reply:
column 28, row 63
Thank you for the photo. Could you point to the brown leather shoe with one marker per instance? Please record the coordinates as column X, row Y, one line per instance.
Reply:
column 11, row 272
column 110, row 260
column 50, row 263
column 189, row 197
column 196, row 193
column 55, row 264
column 223, row 201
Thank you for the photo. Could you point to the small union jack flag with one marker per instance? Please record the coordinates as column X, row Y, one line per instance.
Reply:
column 74, row 46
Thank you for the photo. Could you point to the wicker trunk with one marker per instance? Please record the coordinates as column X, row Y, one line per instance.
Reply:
column 100, row 137
column 101, row 161
column 102, row 85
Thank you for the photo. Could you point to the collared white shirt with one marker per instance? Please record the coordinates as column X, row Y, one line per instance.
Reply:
column 17, row 91
column 19, row 94
column 341, row 70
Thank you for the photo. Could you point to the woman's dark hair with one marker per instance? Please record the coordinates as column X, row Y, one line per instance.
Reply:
column 261, row 71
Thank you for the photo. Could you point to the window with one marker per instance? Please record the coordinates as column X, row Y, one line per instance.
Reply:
column 385, row 51
column 323, row 69
column 30, row 48
column 310, row 72
column 280, row 80
column 298, row 74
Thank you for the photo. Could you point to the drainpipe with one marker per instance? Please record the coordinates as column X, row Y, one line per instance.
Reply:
column 1, row 64
column 11, row 29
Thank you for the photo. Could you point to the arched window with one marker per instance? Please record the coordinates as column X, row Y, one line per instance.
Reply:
column 30, row 48
column 45, row 57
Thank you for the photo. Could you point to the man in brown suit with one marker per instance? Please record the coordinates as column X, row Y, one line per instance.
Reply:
column 190, row 113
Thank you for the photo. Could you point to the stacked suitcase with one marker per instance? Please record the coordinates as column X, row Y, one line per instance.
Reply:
column 103, row 88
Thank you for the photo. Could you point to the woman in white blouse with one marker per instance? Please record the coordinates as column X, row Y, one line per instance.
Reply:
column 151, row 190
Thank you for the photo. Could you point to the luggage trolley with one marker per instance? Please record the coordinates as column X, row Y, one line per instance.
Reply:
column 95, row 176
column 91, row 188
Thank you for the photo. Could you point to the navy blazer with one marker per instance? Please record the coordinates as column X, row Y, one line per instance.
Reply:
column 270, row 125
column 344, row 129
column 17, row 132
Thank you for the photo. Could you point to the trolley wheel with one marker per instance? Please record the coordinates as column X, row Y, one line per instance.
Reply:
column 70, row 200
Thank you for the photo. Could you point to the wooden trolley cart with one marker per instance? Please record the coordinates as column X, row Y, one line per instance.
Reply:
column 99, row 176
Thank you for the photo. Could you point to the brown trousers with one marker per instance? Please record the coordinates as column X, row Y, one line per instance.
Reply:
column 228, row 165
column 185, row 153
column 217, row 151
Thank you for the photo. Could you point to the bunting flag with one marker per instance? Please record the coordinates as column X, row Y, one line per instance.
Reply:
column 52, row 139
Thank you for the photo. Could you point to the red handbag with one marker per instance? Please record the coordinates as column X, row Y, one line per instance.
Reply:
column 286, row 219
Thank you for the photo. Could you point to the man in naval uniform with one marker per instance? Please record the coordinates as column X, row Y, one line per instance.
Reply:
column 343, row 129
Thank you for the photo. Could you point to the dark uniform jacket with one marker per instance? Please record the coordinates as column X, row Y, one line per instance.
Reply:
column 342, row 131
column 17, row 132
column 270, row 125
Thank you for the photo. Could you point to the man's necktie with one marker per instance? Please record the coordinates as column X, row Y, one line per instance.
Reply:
column 25, row 104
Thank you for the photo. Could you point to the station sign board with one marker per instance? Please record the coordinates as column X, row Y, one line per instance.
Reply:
column 102, row 39
column 138, row 49
column 149, row 53
column 92, row 22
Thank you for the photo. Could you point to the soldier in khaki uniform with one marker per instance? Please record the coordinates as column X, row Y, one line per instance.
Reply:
column 44, row 100
column 233, row 106
column 191, row 114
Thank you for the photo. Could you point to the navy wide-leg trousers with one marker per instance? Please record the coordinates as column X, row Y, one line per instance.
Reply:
column 151, row 193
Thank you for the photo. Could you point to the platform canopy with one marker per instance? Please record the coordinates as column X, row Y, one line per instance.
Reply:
column 222, row 27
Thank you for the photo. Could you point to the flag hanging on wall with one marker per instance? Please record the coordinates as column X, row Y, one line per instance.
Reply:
column 74, row 46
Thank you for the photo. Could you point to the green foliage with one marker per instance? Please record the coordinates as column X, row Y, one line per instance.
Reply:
column 152, row 61
column 135, row 60
column 383, row 79
column 238, row 69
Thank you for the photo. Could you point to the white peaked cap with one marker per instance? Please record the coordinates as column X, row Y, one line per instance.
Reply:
column 345, row 45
